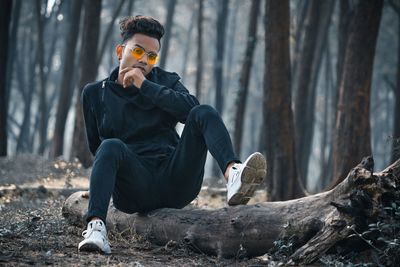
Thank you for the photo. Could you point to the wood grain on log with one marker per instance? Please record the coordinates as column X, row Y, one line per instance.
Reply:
column 318, row 221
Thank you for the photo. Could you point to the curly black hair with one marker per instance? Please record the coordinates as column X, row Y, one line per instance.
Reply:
column 129, row 26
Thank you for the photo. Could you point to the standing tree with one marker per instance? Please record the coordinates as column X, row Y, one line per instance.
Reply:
column 353, row 135
column 43, row 106
column 168, row 29
column 302, row 87
column 222, row 15
column 241, row 97
column 219, row 56
column 396, row 122
column 5, row 18
column 67, row 84
column 282, row 174
column 199, row 71
column 106, row 38
column 88, row 73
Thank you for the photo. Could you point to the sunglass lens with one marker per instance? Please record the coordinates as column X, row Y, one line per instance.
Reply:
column 137, row 52
column 152, row 59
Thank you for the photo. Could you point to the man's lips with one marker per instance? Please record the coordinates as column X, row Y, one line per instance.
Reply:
column 140, row 67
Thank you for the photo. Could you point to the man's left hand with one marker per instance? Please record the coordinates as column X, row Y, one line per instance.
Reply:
column 132, row 76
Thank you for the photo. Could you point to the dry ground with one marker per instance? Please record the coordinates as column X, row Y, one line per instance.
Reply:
column 33, row 232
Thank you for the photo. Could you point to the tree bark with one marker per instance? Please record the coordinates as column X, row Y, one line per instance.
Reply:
column 219, row 57
column 317, row 222
column 88, row 73
column 305, row 97
column 43, row 107
column 199, row 71
column 222, row 16
column 188, row 45
column 278, row 115
column 27, row 93
column 67, row 86
column 107, row 33
column 5, row 18
column 353, row 135
column 12, row 44
column 168, row 29
column 396, row 117
column 241, row 97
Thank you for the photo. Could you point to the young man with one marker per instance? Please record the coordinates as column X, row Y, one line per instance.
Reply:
column 140, row 160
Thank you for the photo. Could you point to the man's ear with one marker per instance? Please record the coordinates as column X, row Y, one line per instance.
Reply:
column 118, row 51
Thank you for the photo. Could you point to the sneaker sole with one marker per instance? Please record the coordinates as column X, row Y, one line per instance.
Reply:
column 253, row 174
column 89, row 247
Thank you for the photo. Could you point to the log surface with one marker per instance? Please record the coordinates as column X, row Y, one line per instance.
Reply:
column 318, row 221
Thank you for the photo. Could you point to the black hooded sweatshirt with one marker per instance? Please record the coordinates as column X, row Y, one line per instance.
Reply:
column 144, row 118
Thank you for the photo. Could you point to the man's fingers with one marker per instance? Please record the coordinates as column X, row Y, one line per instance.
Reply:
column 85, row 194
column 125, row 70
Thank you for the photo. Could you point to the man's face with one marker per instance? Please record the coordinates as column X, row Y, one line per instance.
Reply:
column 150, row 46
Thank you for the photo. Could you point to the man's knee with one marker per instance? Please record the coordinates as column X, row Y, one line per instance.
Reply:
column 203, row 111
column 112, row 147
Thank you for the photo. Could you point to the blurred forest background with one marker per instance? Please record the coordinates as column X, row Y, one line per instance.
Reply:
column 314, row 85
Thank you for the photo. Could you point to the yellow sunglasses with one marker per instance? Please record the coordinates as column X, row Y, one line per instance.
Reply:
column 138, row 53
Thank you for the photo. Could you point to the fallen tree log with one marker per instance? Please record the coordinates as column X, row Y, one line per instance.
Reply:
column 318, row 221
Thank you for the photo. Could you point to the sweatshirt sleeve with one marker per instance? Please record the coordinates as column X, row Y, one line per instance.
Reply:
column 177, row 100
column 92, row 133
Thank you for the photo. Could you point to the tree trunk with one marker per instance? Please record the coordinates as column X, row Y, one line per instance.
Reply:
column 199, row 71
column 219, row 58
column 321, row 46
column 353, row 135
column 12, row 44
column 232, row 41
column 278, row 115
column 304, row 120
column 303, row 6
column 241, row 97
column 88, row 73
column 222, row 16
column 326, row 141
column 396, row 123
column 168, row 29
column 67, row 85
column 42, row 91
column 107, row 33
column 188, row 46
column 27, row 92
column 316, row 222
column 5, row 18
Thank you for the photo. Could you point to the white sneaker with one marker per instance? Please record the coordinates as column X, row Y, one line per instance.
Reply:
column 95, row 238
column 244, row 178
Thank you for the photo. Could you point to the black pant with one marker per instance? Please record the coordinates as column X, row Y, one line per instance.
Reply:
column 140, row 184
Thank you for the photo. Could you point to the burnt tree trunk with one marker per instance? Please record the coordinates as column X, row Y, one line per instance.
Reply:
column 278, row 115
column 88, row 73
column 244, row 80
column 5, row 18
column 318, row 222
column 353, row 135
column 67, row 84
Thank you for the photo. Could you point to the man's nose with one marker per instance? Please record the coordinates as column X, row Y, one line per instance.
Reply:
column 143, row 60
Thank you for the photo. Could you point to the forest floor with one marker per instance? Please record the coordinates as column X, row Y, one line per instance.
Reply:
column 33, row 231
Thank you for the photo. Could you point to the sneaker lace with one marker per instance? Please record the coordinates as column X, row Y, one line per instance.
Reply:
column 86, row 232
column 90, row 229
column 235, row 173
